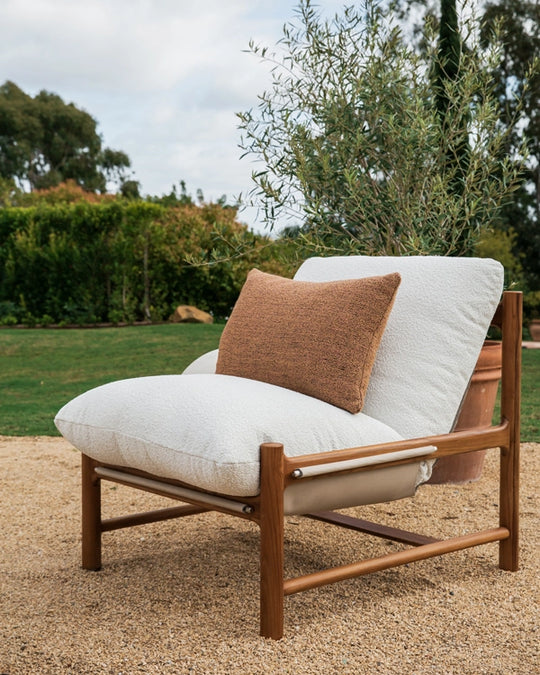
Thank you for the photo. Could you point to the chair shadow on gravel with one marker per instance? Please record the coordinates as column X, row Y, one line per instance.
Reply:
column 208, row 578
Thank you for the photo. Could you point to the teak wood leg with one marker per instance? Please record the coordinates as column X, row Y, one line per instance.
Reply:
column 510, row 410
column 509, row 508
column 271, row 527
column 91, row 516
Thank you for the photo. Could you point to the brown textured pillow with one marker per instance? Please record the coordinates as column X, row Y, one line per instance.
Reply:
column 318, row 338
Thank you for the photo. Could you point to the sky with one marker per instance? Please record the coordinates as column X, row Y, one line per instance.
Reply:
column 163, row 78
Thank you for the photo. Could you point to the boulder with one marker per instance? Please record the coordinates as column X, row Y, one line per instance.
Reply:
column 189, row 314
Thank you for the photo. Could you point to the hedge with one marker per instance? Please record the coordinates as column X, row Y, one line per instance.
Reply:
column 118, row 261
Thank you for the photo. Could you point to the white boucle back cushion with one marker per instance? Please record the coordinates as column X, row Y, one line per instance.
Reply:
column 206, row 430
column 206, row 363
column 433, row 336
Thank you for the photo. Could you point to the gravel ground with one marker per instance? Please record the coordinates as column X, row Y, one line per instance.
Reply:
column 182, row 596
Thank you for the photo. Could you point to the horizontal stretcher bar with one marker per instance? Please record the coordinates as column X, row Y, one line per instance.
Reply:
column 160, row 515
column 357, row 569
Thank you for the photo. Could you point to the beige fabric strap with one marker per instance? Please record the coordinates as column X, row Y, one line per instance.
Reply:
column 173, row 490
column 319, row 469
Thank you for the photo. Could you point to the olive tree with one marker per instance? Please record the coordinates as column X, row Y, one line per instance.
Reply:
column 352, row 146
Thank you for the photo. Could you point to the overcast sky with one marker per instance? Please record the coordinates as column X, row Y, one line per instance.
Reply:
column 163, row 78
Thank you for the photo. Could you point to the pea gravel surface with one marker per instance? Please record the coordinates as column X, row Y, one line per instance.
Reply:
column 181, row 596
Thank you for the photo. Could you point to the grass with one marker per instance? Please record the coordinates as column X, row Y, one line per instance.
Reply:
column 530, row 396
column 40, row 370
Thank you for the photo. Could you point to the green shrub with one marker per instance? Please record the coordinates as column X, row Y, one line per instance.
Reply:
column 10, row 313
column 531, row 305
column 499, row 245
column 123, row 261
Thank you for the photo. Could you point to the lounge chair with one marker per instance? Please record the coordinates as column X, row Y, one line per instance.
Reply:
column 333, row 390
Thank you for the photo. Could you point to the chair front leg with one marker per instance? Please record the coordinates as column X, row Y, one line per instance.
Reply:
column 272, row 541
column 91, row 515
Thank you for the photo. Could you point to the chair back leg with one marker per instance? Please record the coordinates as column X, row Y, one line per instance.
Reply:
column 510, row 411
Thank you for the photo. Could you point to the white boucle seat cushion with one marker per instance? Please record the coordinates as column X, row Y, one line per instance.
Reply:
column 206, row 429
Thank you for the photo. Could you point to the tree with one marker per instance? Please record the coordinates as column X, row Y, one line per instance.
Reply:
column 521, row 26
column 351, row 140
column 517, row 82
column 44, row 142
column 447, row 74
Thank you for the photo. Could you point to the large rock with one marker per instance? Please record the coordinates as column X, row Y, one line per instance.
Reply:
column 189, row 314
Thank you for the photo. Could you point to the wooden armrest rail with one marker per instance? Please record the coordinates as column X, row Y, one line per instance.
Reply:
column 454, row 443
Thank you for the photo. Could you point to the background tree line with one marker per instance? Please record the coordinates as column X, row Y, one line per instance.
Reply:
column 71, row 252
column 405, row 145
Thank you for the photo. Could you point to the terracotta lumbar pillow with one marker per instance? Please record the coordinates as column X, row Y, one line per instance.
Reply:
column 319, row 339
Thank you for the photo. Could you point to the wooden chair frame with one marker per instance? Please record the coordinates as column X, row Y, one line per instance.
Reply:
column 278, row 471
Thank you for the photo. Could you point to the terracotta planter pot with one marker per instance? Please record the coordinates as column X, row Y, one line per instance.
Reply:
column 476, row 413
column 534, row 330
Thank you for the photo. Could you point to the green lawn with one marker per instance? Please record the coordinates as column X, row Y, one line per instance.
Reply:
column 530, row 396
column 40, row 370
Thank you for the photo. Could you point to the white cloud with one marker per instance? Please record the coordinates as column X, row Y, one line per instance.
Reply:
column 137, row 46
column 163, row 78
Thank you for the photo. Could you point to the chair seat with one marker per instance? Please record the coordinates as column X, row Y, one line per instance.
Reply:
column 206, row 429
